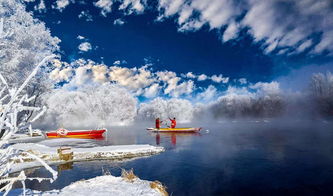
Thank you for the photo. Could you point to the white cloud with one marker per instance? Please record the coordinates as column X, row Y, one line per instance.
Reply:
column 133, row 78
column 285, row 24
column 82, row 76
column 192, row 25
column 190, row 75
column 119, row 22
column 140, row 81
column 208, row 94
column 184, row 88
column 128, row 6
column 219, row 79
column 85, row 15
column 202, row 77
column 172, row 83
column 105, row 5
column 185, row 14
column 242, row 80
column 326, row 42
column 58, row 75
column 166, row 75
column 152, row 91
column 216, row 13
column 284, row 27
column 232, row 92
column 133, row 6
column 99, row 73
column 231, row 32
column 61, row 5
column 116, row 62
column 278, row 24
column 305, row 45
column 170, row 7
column 269, row 88
column 86, row 72
column 80, row 37
column 85, row 47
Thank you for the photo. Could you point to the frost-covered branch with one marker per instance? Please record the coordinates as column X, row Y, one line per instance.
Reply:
column 13, row 102
column 1, row 27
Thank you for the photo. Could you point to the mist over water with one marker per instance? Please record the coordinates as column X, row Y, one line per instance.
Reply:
column 234, row 157
column 111, row 104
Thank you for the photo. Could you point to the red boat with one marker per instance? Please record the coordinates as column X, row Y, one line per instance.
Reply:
column 83, row 134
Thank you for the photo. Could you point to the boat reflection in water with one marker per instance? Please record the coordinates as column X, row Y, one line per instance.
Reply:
column 172, row 136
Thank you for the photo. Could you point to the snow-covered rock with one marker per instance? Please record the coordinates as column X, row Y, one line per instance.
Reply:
column 106, row 185
column 109, row 185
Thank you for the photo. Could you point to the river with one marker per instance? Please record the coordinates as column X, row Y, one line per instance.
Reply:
column 245, row 157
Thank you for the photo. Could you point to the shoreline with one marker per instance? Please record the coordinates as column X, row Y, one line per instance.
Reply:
column 51, row 157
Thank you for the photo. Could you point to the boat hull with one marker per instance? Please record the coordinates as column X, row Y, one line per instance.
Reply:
column 83, row 134
column 175, row 130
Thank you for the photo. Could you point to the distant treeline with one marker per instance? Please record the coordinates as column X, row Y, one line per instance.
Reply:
column 111, row 104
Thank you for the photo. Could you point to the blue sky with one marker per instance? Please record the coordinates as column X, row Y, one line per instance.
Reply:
column 155, row 35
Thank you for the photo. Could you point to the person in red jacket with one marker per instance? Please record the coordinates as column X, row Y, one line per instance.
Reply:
column 158, row 123
column 173, row 123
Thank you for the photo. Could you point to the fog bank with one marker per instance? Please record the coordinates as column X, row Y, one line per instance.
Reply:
column 109, row 104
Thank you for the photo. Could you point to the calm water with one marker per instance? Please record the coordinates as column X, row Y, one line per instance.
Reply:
column 234, row 158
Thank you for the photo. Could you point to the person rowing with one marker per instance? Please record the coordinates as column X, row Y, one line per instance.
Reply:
column 158, row 123
column 173, row 122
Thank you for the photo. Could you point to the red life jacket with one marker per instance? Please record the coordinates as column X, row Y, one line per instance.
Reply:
column 173, row 123
column 157, row 124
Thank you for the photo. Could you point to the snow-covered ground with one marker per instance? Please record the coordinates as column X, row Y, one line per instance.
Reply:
column 105, row 185
column 51, row 156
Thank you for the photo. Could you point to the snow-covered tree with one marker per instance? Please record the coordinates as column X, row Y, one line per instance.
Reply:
column 259, row 100
column 231, row 105
column 321, row 88
column 181, row 109
column 13, row 102
column 25, row 41
column 96, row 105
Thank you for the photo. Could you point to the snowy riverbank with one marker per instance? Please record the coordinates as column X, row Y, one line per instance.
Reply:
column 106, row 185
column 52, row 157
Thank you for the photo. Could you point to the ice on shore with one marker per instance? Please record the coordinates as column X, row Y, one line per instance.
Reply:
column 51, row 156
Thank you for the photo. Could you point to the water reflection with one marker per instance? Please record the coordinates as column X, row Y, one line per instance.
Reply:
column 65, row 166
column 172, row 137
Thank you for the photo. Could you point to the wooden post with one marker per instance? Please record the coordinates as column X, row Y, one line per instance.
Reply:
column 65, row 153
